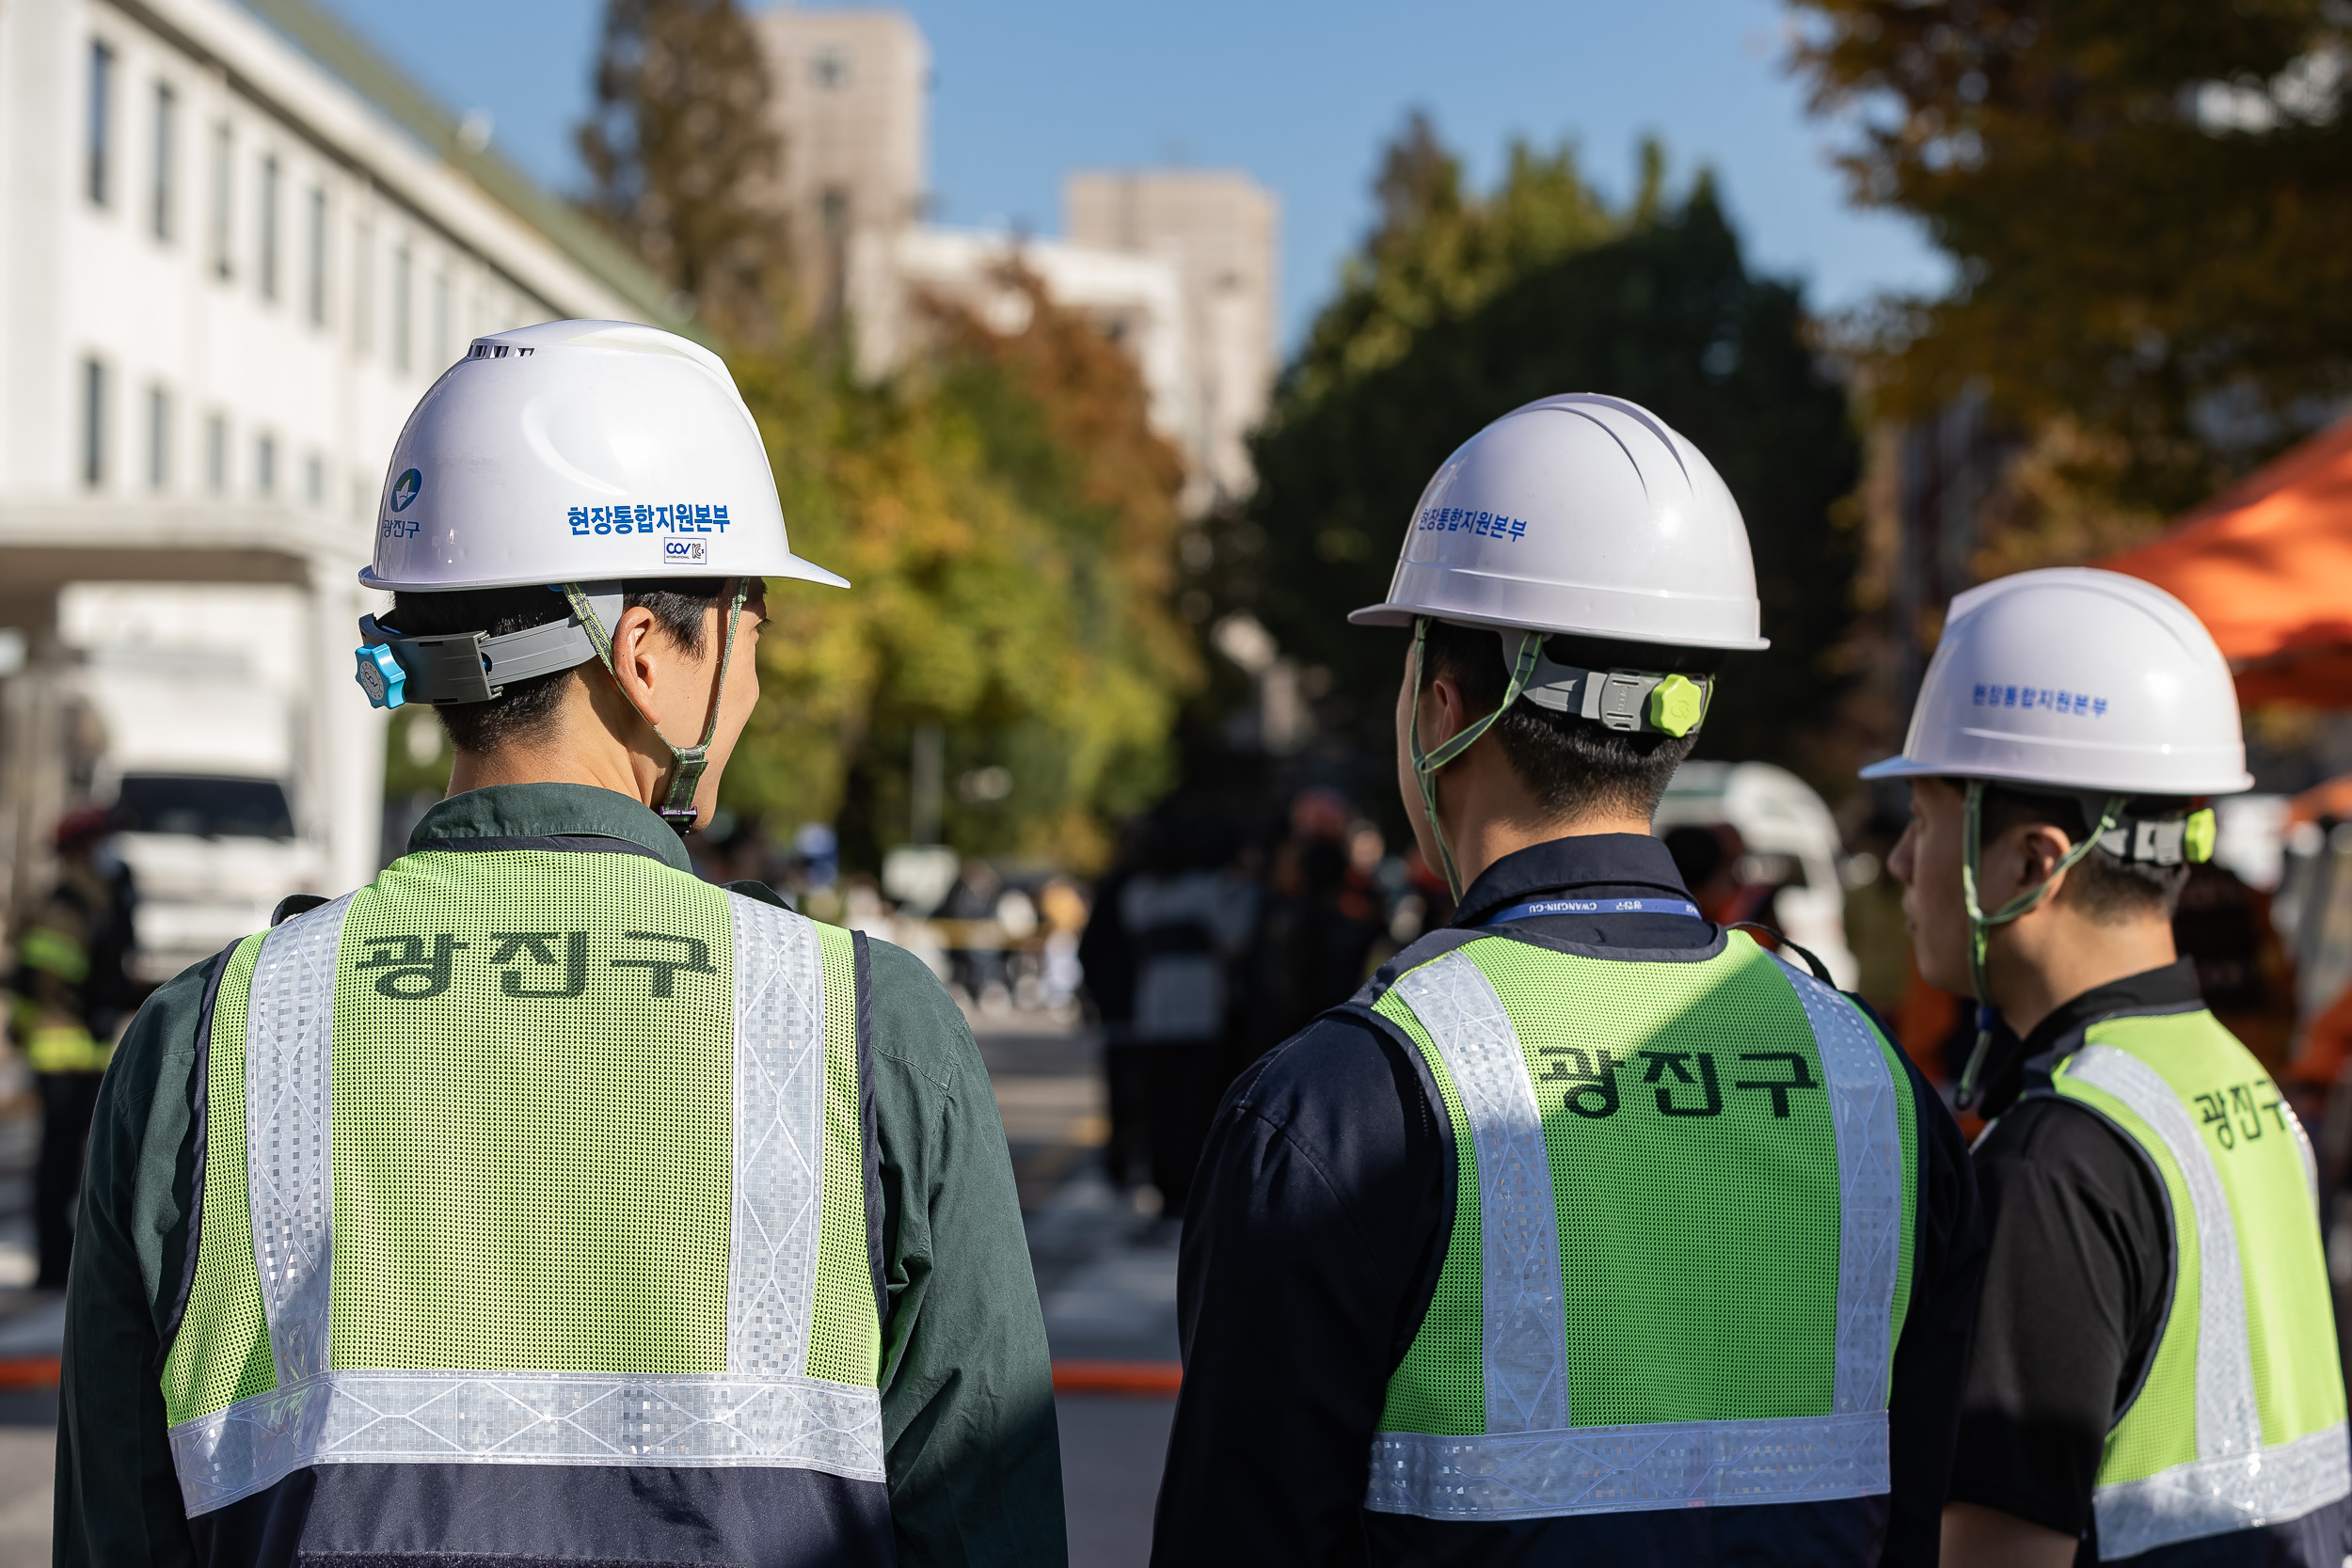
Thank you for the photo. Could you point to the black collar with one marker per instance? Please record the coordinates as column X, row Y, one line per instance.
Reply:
column 1627, row 864
column 2012, row 1062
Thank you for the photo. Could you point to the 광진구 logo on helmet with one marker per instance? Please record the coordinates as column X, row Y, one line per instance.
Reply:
column 404, row 489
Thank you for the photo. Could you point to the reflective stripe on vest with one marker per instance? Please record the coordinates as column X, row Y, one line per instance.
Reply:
column 764, row 1409
column 2233, row 1480
column 1532, row 1459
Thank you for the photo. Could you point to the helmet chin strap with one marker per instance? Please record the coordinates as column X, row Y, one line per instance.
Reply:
column 1425, row 763
column 1980, row 923
column 686, row 762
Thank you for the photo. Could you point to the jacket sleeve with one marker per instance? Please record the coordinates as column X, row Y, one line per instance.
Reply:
column 118, row 1497
column 1931, row 1358
column 2075, row 1291
column 1321, row 1211
column 967, row 1389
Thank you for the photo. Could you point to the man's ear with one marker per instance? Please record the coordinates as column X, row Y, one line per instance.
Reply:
column 2040, row 848
column 640, row 648
column 1451, row 716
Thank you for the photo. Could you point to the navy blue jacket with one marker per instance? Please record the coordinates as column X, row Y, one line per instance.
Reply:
column 1321, row 1214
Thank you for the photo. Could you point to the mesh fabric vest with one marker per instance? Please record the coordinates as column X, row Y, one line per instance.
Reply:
column 1682, row 1239
column 2239, row 1421
column 533, row 1159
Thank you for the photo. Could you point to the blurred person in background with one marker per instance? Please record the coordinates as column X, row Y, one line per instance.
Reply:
column 1707, row 859
column 1319, row 913
column 1549, row 1246
column 974, row 949
column 1063, row 908
column 2154, row 1374
column 2223, row 927
column 1106, row 967
column 1187, row 914
column 72, row 986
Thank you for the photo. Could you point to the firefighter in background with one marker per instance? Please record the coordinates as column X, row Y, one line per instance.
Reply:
column 72, row 990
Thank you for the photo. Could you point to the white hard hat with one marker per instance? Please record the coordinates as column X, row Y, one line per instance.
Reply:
column 1580, row 514
column 2077, row 679
column 575, row 451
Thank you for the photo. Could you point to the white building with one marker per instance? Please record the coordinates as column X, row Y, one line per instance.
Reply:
column 1177, row 265
column 227, row 273
column 1221, row 231
column 1136, row 301
column 850, row 96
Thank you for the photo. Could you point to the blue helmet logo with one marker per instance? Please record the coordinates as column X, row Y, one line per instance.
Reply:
column 404, row 489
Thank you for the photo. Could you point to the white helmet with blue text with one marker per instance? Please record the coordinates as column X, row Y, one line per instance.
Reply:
column 2076, row 682
column 580, row 456
column 580, row 451
column 1580, row 514
column 2079, row 680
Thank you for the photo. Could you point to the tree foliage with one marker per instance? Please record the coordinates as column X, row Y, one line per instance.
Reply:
column 1008, row 521
column 2148, row 205
column 1462, row 309
column 683, row 156
column 1437, row 251
column 1003, row 510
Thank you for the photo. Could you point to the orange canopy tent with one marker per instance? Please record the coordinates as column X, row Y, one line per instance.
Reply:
column 2268, row 566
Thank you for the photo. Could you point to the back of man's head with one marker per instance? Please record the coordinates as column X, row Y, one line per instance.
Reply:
column 523, row 710
column 1573, row 767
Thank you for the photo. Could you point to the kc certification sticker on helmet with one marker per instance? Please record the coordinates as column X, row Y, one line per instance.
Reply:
column 1579, row 515
column 575, row 451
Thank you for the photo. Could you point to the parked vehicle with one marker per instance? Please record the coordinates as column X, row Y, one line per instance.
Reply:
column 198, row 745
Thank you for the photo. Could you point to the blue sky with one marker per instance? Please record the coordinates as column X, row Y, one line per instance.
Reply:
column 1300, row 93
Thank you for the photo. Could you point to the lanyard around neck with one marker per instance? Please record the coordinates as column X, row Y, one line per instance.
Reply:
column 1534, row 908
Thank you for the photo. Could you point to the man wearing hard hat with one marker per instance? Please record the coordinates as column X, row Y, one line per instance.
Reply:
column 2154, row 1375
column 1589, row 1231
column 539, row 1202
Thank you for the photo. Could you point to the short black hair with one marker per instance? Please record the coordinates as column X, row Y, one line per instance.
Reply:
column 2108, row 890
column 1574, row 766
column 523, row 709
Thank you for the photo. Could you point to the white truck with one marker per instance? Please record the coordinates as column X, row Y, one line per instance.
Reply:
column 198, row 731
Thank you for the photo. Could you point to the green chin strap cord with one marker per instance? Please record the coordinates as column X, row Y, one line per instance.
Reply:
column 1980, row 923
column 677, row 808
column 1425, row 763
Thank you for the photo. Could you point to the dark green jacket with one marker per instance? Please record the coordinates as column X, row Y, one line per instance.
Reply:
column 974, row 1463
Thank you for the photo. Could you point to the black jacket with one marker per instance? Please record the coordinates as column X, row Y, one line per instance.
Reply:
column 2077, row 1284
column 1321, row 1214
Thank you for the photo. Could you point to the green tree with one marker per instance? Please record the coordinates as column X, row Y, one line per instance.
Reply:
column 1437, row 251
column 2147, row 205
column 1007, row 518
column 684, row 158
column 1654, row 303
